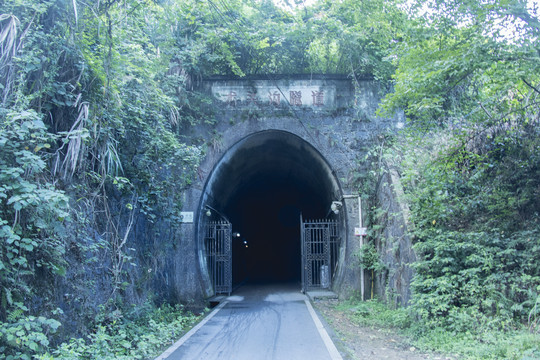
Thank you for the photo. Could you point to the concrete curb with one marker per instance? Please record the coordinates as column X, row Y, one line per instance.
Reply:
column 332, row 350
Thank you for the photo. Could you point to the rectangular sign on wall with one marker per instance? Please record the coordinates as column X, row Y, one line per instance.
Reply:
column 317, row 95
column 360, row 231
column 186, row 216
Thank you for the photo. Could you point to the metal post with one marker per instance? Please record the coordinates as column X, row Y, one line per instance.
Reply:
column 302, row 245
column 362, row 290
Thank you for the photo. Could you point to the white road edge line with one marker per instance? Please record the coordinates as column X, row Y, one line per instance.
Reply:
column 190, row 333
column 334, row 353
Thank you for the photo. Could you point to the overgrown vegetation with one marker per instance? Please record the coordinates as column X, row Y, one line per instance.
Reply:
column 134, row 337
column 469, row 166
column 96, row 99
column 90, row 116
column 519, row 344
column 472, row 176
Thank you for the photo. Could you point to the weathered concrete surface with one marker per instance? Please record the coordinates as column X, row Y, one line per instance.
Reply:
column 318, row 94
column 394, row 243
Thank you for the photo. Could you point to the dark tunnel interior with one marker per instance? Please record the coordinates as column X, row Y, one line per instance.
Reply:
column 262, row 185
column 266, row 213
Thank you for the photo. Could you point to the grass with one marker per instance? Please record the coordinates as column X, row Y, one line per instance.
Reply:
column 376, row 314
column 518, row 344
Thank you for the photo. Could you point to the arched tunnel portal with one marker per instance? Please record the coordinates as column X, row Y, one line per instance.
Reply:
column 262, row 185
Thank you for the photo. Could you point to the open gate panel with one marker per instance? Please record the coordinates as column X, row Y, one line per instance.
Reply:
column 320, row 246
column 218, row 250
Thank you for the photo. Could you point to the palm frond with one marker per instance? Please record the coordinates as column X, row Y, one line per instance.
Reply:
column 75, row 143
column 8, row 37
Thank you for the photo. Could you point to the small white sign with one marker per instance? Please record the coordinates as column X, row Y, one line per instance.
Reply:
column 186, row 216
column 360, row 231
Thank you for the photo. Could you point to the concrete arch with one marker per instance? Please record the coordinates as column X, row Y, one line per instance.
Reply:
column 275, row 174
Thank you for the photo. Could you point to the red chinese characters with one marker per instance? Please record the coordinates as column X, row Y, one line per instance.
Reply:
column 318, row 98
column 295, row 98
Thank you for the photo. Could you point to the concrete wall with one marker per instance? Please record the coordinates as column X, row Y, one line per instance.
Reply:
column 341, row 125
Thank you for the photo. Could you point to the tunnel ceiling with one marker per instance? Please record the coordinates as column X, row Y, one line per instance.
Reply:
column 270, row 157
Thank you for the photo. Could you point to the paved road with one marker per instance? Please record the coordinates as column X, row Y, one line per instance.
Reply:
column 258, row 323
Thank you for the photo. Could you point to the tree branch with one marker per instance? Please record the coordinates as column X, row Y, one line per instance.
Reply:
column 530, row 85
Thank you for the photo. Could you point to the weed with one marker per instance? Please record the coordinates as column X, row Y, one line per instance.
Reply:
column 374, row 313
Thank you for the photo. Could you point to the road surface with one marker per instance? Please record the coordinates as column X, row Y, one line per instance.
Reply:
column 258, row 323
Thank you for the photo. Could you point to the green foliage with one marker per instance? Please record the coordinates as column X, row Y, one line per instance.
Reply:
column 356, row 37
column 141, row 337
column 517, row 344
column 374, row 313
column 465, row 62
column 26, row 336
column 475, row 235
column 33, row 211
column 90, row 115
column 369, row 258
column 32, row 215
column 241, row 38
column 487, row 344
column 469, row 162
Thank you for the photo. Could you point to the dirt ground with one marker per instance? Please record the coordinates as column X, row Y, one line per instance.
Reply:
column 357, row 342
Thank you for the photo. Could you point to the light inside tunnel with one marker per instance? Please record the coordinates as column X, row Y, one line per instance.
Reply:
column 262, row 185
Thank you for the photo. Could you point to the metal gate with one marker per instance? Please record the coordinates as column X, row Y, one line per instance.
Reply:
column 218, row 249
column 320, row 245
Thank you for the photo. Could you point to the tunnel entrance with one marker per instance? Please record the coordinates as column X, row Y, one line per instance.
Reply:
column 262, row 185
column 266, row 214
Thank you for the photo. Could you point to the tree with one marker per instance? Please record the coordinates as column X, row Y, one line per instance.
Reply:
column 471, row 84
